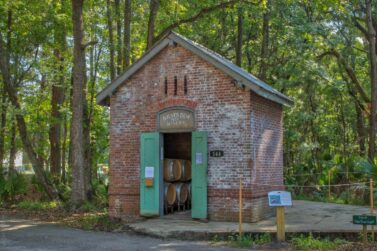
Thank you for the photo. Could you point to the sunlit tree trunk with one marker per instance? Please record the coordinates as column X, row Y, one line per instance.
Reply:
column 111, row 39
column 239, row 37
column 265, row 42
column 373, row 78
column 153, row 9
column 127, row 34
column 78, row 141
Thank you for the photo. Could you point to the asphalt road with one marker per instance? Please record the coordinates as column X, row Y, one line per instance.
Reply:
column 22, row 235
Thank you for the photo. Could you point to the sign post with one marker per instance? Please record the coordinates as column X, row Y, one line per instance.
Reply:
column 280, row 199
column 365, row 220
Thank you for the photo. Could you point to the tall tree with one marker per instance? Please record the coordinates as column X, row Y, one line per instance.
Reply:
column 153, row 9
column 4, row 103
column 57, row 98
column 78, row 139
column 36, row 161
column 127, row 34
column 373, row 80
column 265, row 42
column 111, row 39
column 118, row 36
column 239, row 37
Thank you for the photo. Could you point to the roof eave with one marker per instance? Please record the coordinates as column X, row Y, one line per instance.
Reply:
column 111, row 88
column 279, row 98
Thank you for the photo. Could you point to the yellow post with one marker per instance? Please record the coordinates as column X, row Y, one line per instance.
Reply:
column 371, row 203
column 280, row 224
column 365, row 234
column 240, row 214
column 329, row 184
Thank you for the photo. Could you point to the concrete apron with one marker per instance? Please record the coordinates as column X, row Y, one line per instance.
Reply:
column 302, row 217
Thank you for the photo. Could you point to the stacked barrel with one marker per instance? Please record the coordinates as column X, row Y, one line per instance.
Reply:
column 177, row 184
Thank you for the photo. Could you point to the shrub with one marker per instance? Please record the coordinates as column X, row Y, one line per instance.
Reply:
column 12, row 186
column 36, row 205
column 309, row 242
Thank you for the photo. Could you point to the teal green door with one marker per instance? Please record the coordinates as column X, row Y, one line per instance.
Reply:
column 150, row 165
column 199, row 175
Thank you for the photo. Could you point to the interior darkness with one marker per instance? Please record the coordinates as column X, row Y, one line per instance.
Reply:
column 177, row 146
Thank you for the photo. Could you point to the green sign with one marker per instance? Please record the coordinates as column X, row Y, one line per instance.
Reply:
column 364, row 219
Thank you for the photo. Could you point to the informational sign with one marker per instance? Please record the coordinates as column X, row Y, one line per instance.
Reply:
column 198, row 158
column 176, row 119
column 279, row 199
column 149, row 172
column 364, row 220
column 216, row 153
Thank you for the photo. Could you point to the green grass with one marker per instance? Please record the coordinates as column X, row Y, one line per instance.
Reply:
column 100, row 222
column 244, row 241
column 303, row 242
column 333, row 199
column 36, row 205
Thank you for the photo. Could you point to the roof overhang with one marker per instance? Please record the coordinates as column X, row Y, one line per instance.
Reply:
column 242, row 78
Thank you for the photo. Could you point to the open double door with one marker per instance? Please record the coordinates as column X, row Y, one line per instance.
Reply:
column 151, row 164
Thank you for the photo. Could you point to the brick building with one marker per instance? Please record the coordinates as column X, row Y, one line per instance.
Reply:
column 181, row 100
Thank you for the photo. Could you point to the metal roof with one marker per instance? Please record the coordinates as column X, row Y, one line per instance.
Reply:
column 241, row 77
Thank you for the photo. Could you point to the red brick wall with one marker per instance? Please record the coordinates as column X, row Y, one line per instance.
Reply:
column 246, row 127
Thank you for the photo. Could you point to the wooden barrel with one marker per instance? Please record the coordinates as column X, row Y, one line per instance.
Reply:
column 189, row 189
column 172, row 169
column 170, row 194
column 186, row 170
column 182, row 192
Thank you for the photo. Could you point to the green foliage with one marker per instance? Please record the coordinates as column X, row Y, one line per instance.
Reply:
column 12, row 186
column 303, row 242
column 246, row 240
column 100, row 194
column 36, row 205
column 100, row 222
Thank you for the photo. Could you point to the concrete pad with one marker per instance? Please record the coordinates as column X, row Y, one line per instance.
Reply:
column 303, row 216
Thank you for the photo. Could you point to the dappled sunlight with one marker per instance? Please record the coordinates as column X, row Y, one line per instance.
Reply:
column 7, row 227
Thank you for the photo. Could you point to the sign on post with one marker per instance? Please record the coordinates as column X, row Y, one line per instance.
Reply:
column 364, row 220
column 280, row 199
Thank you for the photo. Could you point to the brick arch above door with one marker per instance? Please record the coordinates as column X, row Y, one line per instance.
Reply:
column 170, row 102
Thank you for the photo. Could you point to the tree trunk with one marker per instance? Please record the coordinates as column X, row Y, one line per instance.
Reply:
column 153, row 9
column 127, row 34
column 239, row 38
column 64, row 151
column 79, row 189
column 360, row 128
column 35, row 160
column 119, row 36
column 373, row 78
column 3, row 122
column 4, row 105
column 57, row 100
column 111, row 39
column 13, row 149
column 265, row 43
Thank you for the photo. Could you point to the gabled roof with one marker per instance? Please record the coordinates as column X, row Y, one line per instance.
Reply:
column 241, row 77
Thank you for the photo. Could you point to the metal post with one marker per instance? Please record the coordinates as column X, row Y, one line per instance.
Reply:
column 241, row 208
column 329, row 174
column 371, row 204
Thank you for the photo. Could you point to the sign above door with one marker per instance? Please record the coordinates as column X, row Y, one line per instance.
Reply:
column 177, row 119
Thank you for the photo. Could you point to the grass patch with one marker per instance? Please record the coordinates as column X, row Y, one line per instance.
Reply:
column 244, row 241
column 341, row 199
column 97, row 222
column 303, row 242
column 37, row 205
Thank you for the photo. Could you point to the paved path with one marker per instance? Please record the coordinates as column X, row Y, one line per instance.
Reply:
column 22, row 235
column 303, row 216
